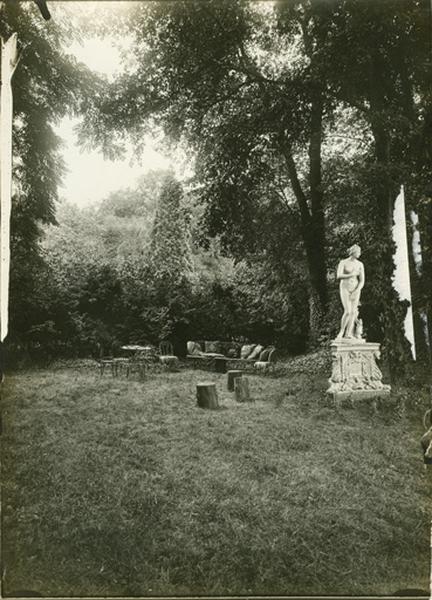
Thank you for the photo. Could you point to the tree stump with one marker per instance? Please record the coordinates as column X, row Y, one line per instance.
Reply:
column 233, row 374
column 241, row 389
column 207, row 395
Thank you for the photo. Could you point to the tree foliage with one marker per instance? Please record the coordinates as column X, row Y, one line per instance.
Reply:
column 47, row 84
column 105, row 289
column 258, row 91
column 303, row 117
column 200, row 75
column 169, row 251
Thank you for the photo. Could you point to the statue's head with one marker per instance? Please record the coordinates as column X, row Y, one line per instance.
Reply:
column 355, row 251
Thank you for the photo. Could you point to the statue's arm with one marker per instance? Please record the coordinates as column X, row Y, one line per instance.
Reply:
column 340, row 271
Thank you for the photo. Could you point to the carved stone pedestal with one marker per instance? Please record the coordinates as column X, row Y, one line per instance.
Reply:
column 355, row 373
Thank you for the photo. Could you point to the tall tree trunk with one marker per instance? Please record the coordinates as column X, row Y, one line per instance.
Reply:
column 316, row 242
column 393, row 313
column 312, row 216
column 313, row 235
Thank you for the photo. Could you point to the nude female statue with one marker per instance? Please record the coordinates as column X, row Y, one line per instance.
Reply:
column 350, row 272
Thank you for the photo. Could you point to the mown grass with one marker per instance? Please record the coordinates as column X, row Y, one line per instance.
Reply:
column 117, row 487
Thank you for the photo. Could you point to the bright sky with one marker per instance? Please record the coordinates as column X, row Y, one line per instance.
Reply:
column 90, row 178
column 401, row 275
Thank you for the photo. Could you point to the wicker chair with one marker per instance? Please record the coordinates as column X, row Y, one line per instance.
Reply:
column 103, row 362
column 267, row 365
column 138, row 364
column 167, row 356
column 115, row 364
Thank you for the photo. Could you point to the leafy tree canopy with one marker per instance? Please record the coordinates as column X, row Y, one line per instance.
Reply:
column 48, row 84
column 257, row 88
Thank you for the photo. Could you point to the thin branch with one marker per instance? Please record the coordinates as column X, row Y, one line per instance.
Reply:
column 361, row 106
column 304, row 22
column 248, row 66
column 360, row 140
column 281, row 195
column 226, row 96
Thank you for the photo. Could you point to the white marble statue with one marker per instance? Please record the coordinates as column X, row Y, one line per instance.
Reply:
column 350, row 273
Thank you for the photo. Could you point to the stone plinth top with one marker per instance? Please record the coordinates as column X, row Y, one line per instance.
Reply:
column 345, row 344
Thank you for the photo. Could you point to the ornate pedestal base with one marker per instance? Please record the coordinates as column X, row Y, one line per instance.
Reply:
column 355, row 373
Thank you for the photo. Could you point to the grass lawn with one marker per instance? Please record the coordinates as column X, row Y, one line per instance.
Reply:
column 121, row 487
